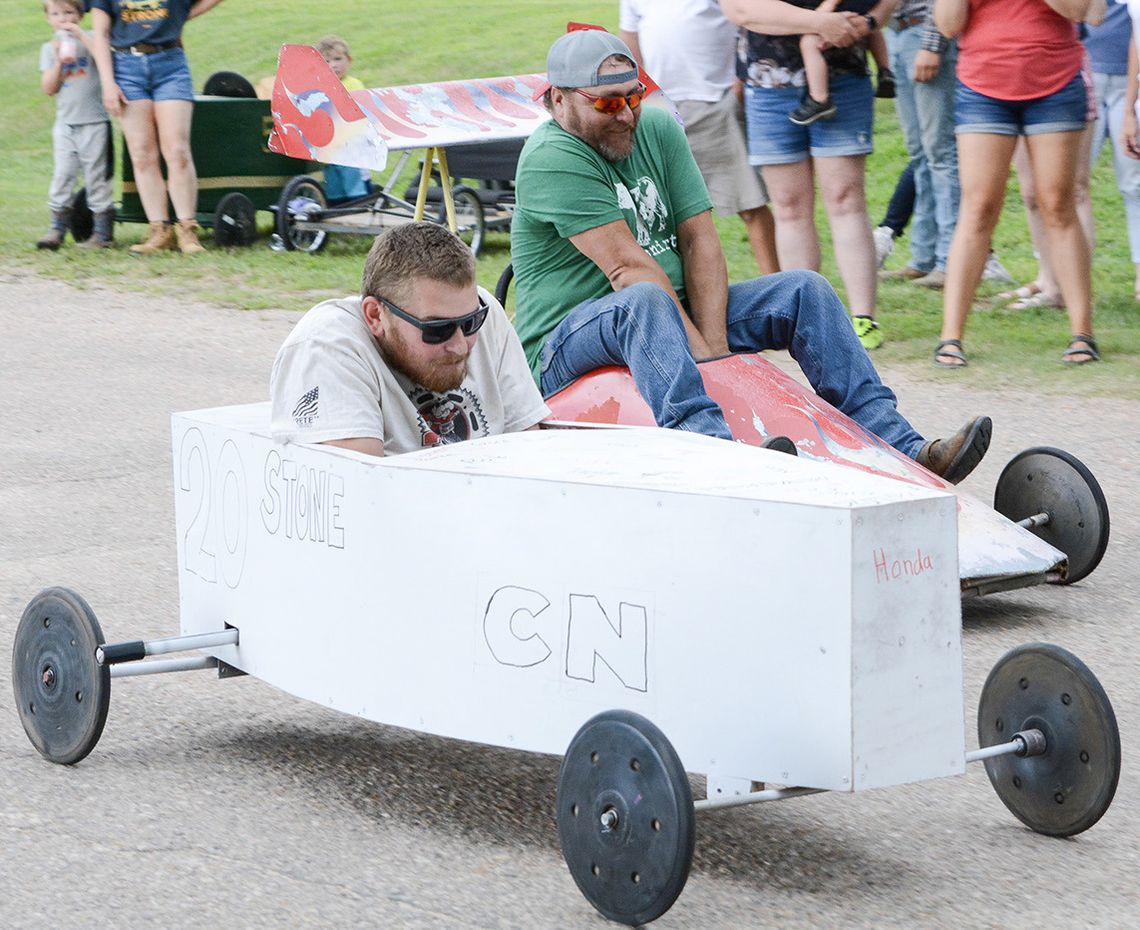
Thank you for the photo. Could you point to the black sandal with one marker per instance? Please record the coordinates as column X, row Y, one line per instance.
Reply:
column 956, row 352
column 1081, row 344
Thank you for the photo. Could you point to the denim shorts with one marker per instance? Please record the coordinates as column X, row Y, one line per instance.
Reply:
column 159, row 76
column 1064, row 110
column 773, row 139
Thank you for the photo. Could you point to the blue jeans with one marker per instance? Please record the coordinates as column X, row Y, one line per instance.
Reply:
column 773, row 139
column 1064, row 110
column 1110, row 90
column 926, row 114
column 639, row 327
column 160, row 76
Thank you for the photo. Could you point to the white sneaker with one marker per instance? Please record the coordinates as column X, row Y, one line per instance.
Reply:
column 884, row 244
column 995, row 271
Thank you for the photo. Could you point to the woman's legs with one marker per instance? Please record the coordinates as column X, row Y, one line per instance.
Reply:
column 1046, row 281
column 140, row 132
column 841, row 187
column 172, row 118
column 1055, row 156
column 791, row 192
column 983, row 165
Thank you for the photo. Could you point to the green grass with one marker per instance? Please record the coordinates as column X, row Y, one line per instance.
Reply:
column 399, row 41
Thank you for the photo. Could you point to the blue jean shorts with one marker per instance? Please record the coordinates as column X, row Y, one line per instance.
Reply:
column 773, row 139
column 160, row 76
column 1064, row 110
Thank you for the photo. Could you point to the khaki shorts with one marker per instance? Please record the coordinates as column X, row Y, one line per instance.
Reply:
column 716, row 135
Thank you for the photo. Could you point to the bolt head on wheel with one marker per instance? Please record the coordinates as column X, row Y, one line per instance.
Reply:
column 62, row 694
column 625, row 817
column 1068, row 788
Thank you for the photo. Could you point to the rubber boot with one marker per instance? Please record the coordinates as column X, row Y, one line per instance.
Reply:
column 60, row 222
column 103, row 236
column 161, row 237
column 186, row 232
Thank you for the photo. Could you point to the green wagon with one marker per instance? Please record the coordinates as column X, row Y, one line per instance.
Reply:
column 237, row 174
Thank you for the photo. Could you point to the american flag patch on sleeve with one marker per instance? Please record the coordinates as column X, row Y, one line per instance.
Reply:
column 306, row 410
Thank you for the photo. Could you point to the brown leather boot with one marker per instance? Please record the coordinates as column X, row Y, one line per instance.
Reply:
column 186, row 232
column 161, row 237
column 955, row 457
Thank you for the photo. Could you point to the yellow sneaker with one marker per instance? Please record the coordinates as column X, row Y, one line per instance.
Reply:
column 868, row 332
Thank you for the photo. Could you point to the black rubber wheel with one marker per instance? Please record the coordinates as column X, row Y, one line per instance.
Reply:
column 1052, row 481
column 235, row 220
column 470, row 224
column 82, row 223
column 228, row 84
column 1047, row 688
column 625, row 817
column 62, row 693
column 302, row 198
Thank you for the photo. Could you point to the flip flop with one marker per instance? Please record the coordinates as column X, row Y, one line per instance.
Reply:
column 956, row 352
column 1038, row 301
column 1081, row 344
column 1020, row 293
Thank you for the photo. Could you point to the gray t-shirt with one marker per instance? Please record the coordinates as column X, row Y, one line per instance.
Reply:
column 80, row 97
column 330, row 382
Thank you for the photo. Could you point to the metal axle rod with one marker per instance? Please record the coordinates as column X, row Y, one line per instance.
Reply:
column 1038, row 519
column 184, row 664
column 113, row 653
column 754, row 797
column 1025, row 743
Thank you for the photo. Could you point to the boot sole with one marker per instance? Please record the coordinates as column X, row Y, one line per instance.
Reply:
column 972, row 452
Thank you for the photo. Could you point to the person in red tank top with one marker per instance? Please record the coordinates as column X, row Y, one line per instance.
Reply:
column 1019, row 74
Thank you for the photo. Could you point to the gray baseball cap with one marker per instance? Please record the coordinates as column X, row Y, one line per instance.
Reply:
column 574, row 59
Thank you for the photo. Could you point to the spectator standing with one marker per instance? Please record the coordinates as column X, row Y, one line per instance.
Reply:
column 147, row 85
column 1019, row 73
column 832, row 152
column 924, row 63
column 1108, row 46
column 81, row 134
column 689, row 48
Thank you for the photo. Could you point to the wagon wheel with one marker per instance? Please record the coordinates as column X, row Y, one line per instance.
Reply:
column 470, row 224
column 1068, row 788
column 228, row 84
column 62, row 693
column 503, row 285
column 302, row 198
column 82, row 223
column 235, row 220
column 1051, row 481
column 625, row 817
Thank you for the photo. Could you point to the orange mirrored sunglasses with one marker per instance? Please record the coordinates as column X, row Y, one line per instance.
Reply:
column 613, row 105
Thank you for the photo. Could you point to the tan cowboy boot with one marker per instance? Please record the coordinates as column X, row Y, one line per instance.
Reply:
column 161, row 237
column 186, row 232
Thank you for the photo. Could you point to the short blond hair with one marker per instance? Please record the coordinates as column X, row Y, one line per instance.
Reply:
column 415, row 250
column 332, row 43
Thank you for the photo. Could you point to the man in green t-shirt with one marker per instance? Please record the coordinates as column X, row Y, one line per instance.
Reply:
column 617, row 262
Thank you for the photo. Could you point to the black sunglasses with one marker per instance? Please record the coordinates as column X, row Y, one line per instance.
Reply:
column 437, row 331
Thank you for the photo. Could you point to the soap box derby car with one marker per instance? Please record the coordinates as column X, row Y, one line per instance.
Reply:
column 682, row 575
column 816, row 595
